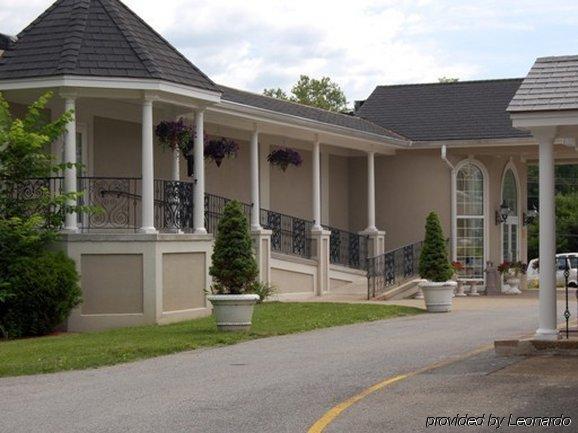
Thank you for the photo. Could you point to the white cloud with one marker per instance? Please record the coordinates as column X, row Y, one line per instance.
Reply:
column 254, row 44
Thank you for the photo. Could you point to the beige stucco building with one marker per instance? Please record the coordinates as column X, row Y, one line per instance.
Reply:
column 366, row 184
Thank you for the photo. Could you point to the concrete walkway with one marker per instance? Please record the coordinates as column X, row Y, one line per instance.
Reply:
column 498, row 392
column 281, row 384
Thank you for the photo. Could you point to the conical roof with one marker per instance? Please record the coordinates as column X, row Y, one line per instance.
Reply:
column 97, row 38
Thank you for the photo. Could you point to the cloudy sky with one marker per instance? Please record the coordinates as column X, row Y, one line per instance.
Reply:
column 253, row 44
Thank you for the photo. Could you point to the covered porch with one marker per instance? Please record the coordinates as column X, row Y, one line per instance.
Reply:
column 546, row 105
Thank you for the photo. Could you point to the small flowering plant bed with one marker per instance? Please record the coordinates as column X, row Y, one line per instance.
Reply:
column 220, row 148
column 81, row 351
column 514, row 269
column 283, row 157
column 458, row 267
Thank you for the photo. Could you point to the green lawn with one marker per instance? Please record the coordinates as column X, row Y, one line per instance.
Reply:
column 79, row 351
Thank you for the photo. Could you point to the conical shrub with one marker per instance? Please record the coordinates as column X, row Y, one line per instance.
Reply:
column 234, row 267
column 433, row 261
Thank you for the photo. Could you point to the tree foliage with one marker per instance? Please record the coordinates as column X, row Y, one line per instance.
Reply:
column 566, row 226
column 234, row 268
column 38, row 288
column 445, row 79
column 323, row 93
column 433, row 262
column 566, row 209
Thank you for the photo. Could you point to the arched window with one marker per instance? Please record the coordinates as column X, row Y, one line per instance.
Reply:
column 470, row 219
column 510, row 228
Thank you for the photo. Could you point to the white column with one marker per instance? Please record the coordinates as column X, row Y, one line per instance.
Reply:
column 199, row 155
column 547, row 310
column 176, row 166
column 325, row 188
column 371, row 192
column 255, row 220
column 148, row 208
column 316, row 185
column 264, row 175
column 70, row 219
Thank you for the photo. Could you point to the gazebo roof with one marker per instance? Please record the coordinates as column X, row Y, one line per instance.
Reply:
column 97, row 38
column 551, row 85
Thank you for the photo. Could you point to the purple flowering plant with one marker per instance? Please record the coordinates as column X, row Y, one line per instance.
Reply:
column 174, row 134
column 283, row 157
column 220, row 148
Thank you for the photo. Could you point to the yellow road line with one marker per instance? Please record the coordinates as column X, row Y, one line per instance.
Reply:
column 335, row 411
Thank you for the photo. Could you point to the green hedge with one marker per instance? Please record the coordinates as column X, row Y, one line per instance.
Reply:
column 40, row 292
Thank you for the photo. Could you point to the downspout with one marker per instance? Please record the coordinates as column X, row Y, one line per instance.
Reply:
column 454, row 208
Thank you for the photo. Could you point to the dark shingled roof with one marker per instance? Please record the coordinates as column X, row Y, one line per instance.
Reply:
column 467, row 110
column 310, row 113
column 551, row 84
column 101, row 38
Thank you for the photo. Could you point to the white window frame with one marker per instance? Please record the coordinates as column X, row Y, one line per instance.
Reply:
column 511, row 166
column 486, row 194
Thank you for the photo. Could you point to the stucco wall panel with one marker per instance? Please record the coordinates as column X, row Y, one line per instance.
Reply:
column 112, row 283
column 183, row 281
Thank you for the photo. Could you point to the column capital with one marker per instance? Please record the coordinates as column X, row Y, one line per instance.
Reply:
column 68, row 94
column 544, row 133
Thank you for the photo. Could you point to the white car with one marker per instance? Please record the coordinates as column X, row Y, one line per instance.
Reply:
column 533, row 273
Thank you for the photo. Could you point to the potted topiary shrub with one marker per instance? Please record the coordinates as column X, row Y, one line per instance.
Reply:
column 435, row 268
column 234, row 271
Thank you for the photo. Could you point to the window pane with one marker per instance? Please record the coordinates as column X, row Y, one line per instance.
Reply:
column 470, row 246
column 510, row 191
column 470, row 191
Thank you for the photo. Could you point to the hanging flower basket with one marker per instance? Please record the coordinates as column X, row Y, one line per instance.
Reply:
column 284, row 157
column 174, row 134
column 221, row 148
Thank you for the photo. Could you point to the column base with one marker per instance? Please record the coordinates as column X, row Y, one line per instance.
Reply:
column 376, row 245
column 148, row 230
column 547, row 334
column 262, row 246
column 321, row 238
column 70, row 230
column 201, row 231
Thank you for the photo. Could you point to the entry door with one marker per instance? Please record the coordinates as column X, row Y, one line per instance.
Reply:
column 510, row 240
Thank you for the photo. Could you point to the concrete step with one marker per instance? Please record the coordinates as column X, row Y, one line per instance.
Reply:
column 405, row 290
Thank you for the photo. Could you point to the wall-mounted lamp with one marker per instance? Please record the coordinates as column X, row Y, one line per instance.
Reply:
column 503, row 214
column 528, row 218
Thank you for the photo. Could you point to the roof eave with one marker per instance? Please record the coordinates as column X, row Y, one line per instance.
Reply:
column 481, row 142
column 528, row 119
column 256, row 113
column 143, row 84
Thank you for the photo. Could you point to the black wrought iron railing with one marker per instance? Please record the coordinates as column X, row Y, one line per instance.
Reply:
column 392, row 268
column 348, row 248
column 27, row 194
column 173, row 205
column 117, row 204
column 291, row 235
column 214, row 207
column 567, row 293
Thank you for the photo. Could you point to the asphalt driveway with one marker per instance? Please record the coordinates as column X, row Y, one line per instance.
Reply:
column 281, row 384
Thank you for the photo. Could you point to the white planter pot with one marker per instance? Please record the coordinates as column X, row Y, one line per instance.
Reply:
column 513, row 286
column 233, row 312
column 438, row 296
